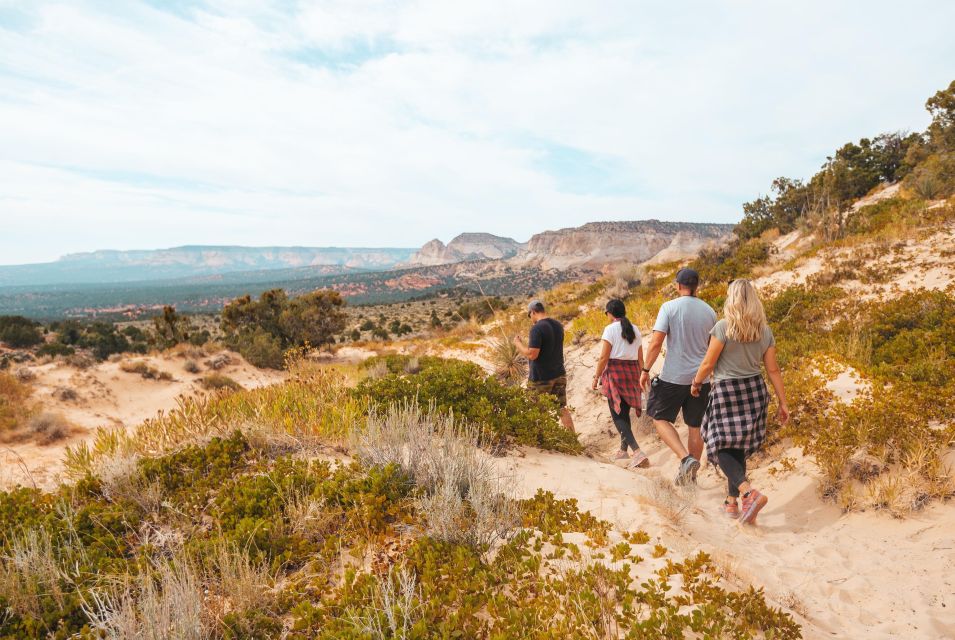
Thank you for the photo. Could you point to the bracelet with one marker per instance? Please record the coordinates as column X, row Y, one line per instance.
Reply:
column 645, row 370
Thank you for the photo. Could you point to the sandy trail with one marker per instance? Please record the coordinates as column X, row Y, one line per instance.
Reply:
column 843, row 575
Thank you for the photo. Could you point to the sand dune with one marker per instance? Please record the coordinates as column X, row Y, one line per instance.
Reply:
column 107, row 396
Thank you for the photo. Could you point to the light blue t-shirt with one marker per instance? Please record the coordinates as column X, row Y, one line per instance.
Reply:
column 687, row 321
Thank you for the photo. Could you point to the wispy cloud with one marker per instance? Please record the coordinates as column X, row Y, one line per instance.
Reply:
column 227, row 121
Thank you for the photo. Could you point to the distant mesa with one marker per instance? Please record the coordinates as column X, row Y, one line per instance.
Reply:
column 98, row 267
column 464, row 248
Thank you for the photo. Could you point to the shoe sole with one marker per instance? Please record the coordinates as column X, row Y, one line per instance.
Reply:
column 749, row 516
column 645, row 463
column 682, row 479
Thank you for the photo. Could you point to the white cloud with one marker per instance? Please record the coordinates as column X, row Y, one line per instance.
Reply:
column 387, row 123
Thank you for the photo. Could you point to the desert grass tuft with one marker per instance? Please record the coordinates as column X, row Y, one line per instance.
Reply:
column 465, row 499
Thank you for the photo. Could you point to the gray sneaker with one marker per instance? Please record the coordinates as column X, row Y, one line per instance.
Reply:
column 687, row 472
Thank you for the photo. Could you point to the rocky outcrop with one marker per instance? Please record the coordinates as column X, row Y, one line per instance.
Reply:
column 599, row 243
column 466, row 247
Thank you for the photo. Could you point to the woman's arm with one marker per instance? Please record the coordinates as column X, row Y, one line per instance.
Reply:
column 706, row 367
column 776, row 378
column 602, row 363
column 640, row 384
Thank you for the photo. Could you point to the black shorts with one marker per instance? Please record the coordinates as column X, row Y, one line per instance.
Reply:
column 666, row 399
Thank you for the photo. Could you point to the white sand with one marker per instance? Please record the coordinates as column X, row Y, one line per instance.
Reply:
column 107, row 396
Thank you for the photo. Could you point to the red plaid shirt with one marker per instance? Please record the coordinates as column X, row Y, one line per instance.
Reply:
column 621, row 381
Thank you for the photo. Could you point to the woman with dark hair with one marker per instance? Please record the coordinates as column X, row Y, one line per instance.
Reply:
column 618, row 372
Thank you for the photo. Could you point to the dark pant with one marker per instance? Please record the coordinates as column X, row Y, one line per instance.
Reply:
column 733, row 464
column 622, row 422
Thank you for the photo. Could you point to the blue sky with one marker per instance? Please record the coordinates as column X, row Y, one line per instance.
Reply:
column 154, row 124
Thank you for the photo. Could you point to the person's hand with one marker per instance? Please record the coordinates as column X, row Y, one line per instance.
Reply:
column 782, row 414
column 518, row 342
column 644, row 381
column 695, row 390
column 596, row 382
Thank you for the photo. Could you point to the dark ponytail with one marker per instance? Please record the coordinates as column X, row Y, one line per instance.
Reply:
column 619, row 311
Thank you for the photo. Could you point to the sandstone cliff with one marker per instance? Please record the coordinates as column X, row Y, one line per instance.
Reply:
column 598, row 243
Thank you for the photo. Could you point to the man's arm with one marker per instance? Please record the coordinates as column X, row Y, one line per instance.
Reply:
column 530, row 353
column 653, row 350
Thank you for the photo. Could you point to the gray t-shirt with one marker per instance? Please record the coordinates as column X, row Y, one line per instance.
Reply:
column 740, row 359
column 687, row 321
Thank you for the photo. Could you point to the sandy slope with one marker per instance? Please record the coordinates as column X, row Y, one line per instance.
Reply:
column 842, row 575
column 107, row 396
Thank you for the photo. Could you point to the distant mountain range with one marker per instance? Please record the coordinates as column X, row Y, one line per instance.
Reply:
column 98, row 267
column 204, row 278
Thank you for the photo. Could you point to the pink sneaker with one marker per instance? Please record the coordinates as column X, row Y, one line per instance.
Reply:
column 731, row 509
column 752, row 504
column 640, row 460
column 621, row 455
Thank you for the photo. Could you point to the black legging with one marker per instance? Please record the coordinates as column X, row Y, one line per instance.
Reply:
column 733, row 464
column 622, row 422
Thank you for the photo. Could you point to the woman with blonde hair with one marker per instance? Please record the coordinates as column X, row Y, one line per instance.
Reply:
column 734, row 426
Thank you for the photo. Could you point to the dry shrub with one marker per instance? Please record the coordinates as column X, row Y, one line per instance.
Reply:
column 219, row 382
column 169, row 605
column 80, row 361
column 13, row 402
column 25, row 374
column 794, row 603
column 67, row 394
column 619, row 290
column 48, row 427
column 671, row 501
column 120, row 481
column 310, row 517
column 191, row 366
column 243, row 584
column 378, row 370
column 413, row 366
column 31, row 572
column 219, row 361
column 144, row 370
column 465, row 499
column 394, row 608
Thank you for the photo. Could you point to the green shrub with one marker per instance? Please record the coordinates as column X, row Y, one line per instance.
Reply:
column 260, row 348
column 509, row 413
column 402, row 363
column 19, row 332
column 54, row 349
column 218, row 382
column 263, row 330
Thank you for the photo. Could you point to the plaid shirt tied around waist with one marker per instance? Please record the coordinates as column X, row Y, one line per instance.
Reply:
column 621, row 381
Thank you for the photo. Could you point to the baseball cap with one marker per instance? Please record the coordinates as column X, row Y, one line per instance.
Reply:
column 535, row 306
column 687, row 277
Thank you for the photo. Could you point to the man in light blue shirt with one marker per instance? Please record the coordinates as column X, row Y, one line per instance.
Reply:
column 685, row 322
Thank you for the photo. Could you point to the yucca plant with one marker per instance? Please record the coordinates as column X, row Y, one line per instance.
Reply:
column 510, row 365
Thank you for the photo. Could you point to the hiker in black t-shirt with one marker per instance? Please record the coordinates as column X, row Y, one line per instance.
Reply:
column 545, row 353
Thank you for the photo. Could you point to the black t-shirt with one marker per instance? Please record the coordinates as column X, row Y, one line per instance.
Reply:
column 548, row 336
